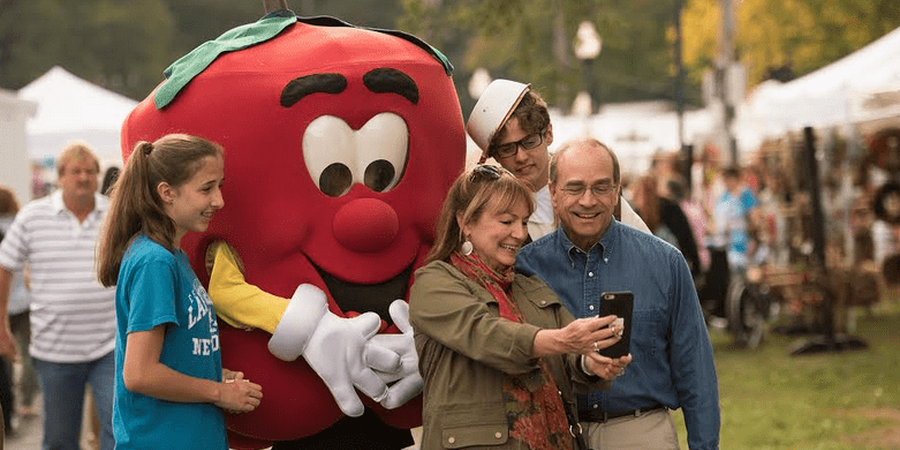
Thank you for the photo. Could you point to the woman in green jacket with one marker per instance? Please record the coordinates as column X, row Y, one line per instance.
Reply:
column 501, row 357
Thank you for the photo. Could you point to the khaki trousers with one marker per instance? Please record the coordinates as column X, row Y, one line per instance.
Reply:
column 654, row 430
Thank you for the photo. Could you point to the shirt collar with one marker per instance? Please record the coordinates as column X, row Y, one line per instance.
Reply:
column 605, row 245
column 101, row 203
column 57, row 201
column 609, row 241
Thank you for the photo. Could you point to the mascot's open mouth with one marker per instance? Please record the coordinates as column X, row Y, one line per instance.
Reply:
column 367, row 297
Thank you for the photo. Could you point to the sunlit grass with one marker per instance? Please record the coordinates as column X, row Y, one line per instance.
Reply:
column 846, row 400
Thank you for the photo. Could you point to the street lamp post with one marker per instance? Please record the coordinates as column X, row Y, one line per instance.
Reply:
column 587, row 48
column 686, row 151
column 479, row 82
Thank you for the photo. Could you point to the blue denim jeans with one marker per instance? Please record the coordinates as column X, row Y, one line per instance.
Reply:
column 63, row 388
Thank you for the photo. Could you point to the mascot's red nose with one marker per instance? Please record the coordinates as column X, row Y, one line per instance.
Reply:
column 366, row 225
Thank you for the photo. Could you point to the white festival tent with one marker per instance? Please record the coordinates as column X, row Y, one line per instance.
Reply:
column 70, row 108
column 833, row 96
column 636, row 131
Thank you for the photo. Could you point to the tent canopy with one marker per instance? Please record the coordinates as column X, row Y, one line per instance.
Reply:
column 830, row 96
column 636, row 132
column 69, row 108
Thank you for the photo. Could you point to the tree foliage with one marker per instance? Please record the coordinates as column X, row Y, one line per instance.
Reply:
column 800, row 35
column 120, row 45
column 532, row 40
column 125, row 46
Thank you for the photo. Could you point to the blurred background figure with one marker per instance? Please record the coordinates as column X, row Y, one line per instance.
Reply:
column 74, row 316
column 109, row 178
column 666, row 219
column 736, row 218
column 18, row 307
column 696, row 218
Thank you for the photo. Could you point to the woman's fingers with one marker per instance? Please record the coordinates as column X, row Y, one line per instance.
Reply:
column 607, row 368
column 592, row 334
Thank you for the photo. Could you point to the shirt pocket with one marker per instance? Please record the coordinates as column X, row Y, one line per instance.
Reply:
column 648, row 332
column 474, row 427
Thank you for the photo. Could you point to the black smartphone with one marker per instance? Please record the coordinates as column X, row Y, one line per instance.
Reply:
column 619, row 304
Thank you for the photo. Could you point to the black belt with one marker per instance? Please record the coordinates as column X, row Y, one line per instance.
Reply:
column 603, row 416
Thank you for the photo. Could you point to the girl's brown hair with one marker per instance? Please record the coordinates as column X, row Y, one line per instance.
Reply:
column 136, row 206
column 473, row 193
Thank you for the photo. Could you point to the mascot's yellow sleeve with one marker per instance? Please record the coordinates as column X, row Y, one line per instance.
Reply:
column 238, row 303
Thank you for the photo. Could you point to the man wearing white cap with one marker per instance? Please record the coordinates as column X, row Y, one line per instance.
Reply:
column 511, row 123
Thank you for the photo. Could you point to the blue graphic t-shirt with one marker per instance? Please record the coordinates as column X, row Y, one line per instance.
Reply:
column 159, row 287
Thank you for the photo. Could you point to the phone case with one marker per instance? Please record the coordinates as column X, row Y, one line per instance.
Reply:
column 621, row 305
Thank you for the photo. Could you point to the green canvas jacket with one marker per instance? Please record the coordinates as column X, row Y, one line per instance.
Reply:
column 466, row 349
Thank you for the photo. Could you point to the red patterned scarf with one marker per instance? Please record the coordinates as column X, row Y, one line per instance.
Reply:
column 534, row 408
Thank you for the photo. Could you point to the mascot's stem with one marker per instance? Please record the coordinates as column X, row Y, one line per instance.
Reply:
column 274, row 5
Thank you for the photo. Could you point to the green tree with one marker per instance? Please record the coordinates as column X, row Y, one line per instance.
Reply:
column 803, row 35
column 28, row 33
column 125, row 46
column 119, row 45
column 532, row 40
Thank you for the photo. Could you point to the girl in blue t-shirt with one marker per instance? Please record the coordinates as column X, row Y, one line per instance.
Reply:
column 170, row 387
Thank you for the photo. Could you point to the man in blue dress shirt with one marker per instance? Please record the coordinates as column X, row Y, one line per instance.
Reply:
column 592, row 253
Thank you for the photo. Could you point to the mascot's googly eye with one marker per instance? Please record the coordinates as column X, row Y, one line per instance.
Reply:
column 335, row 180
column 379, row 175
column 337, row 156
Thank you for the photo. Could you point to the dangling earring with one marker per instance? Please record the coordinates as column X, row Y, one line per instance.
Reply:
column 467, row 248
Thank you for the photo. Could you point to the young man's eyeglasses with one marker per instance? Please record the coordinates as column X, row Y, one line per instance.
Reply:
column 511, row 148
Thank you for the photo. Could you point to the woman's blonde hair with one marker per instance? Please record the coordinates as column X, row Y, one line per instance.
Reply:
column 473, row 192
column 136, row 206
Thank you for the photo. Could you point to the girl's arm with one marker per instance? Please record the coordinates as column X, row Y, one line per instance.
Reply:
column 145, row 374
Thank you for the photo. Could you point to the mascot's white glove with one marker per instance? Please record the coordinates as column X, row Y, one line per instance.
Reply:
column 407, row 381
column 335, row 348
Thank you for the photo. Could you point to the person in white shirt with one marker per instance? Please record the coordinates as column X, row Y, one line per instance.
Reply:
column 73, row 317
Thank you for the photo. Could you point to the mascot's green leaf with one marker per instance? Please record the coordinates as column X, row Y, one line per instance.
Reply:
column 181, row 72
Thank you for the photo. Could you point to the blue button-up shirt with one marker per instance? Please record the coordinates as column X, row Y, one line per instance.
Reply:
column 673, row 359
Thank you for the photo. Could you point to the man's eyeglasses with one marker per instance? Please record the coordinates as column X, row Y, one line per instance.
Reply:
column 511, row 148
column 485, row 172
column 597, row 190
column 78, row 172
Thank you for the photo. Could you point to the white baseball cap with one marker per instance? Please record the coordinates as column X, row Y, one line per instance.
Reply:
column 493, row 109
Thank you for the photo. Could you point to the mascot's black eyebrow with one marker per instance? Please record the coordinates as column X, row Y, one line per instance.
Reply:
column 296, row 89
column 383, row 80
column 387, row 80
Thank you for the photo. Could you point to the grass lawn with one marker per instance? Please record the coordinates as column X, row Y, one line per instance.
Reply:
column 846, row 400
